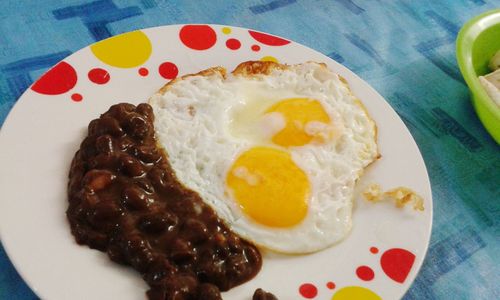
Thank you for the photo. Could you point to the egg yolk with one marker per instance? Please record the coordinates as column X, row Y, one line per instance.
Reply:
column 269, row 187
column 305, row 121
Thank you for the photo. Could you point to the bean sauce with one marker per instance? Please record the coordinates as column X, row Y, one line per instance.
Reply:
column 125, row 200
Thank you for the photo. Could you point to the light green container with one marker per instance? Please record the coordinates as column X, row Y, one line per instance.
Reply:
column 477, row 42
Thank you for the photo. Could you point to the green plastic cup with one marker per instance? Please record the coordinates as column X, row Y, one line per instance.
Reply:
column 477, row 42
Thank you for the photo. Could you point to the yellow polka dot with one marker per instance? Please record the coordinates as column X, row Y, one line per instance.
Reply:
column 269, row 58
column 355, row 293
column 226, row 30
column 126, row 50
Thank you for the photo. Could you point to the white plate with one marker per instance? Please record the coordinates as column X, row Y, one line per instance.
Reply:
column 42, row 133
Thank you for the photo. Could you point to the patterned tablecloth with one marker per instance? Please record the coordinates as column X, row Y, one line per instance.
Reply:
column 405, row 49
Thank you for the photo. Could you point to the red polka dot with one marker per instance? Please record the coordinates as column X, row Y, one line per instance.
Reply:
column 308, row 290
column 143, row 72
column 397, row 263
column 268, row 39
column 233, row 44
column 198, row 37
column 255, row 48
column 330, row 285
column 99, row 76
column 374, row 250
column 58, row 80
column 365, row 273
column 76, row 97
column 168, row 70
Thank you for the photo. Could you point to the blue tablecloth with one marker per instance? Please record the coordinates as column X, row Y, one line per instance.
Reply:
column 405, row 49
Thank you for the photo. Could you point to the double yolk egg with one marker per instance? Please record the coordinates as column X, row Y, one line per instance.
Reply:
column 265, row 181
column 276, row 153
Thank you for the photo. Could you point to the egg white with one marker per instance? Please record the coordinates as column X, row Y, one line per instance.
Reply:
column 204, row 122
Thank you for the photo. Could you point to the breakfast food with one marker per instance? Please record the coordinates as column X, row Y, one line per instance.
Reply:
column 268, row 154
column 491, row 81
column 274, row 149
column 125, row 200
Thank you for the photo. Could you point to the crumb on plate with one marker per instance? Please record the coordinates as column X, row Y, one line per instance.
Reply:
column 400, row 195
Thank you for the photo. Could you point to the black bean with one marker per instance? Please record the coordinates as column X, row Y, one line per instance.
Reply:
column 252, row 255
column 236, row 266
column 145, row 184
column 138, row 252
column 195, row 230
column 182, row 251
column 211, row 270
column 131, row 166
column 96, row 180
column 221, row 246
column 92, row 128
column 181, row 287
column 148, row 154
column 137, row 126
column 80, row 214
column 108, row 125
column 103, row 161
column 87, row 147
column 158, row 271
column 145, row 110
column 260, row 294
column 235, row 244
column 77, row 167
column 115, row 254
column 208, row 291
column 135, row 198
column 97, row 240
column 106, row 211
column 89, row 200
column 158, row 222
column 124, row 143
column 206, row 254
column 121, row 111
column 104, row 144
column 162, row 181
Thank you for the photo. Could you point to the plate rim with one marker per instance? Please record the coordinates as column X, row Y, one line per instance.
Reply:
column 411, row 276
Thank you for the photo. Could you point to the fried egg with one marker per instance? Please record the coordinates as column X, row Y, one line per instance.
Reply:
column 275, row 149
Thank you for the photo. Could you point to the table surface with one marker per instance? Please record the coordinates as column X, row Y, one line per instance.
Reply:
column 404, row 49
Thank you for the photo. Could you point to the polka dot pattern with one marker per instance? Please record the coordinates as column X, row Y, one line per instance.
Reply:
column 168, row 70
column 397, row 263
column 233, row 44
column 143, row 72
column 126, row 50
column 76, row 97
column 268, row 39
column 58, row 80
column 269, row 58
column 198, row 37
column 308, row 290
column 365, row 273
column 355, row 292
column 98, row 76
